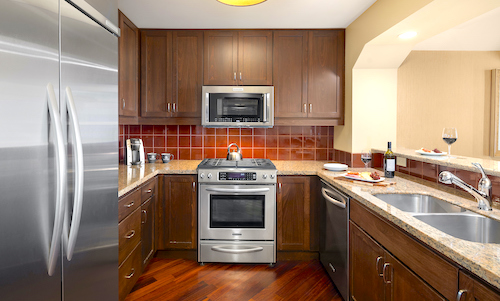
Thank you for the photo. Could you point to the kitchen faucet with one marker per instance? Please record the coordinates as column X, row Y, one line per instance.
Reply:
column 482, row 194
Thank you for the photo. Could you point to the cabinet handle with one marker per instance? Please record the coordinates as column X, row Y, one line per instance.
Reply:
column 149, row 190
column 194, row 186
column 241, row 78
column 384, row 274
column 123, row 101
column 130, row 235
column 234, row 76
column 279, row 187
column 145, row 216
column 174, row 107
column 310, row 107
column 461, row 293
column 132, row 272
column 168, row 107
column 129, row 205
column 377, row 266
column 305, row 108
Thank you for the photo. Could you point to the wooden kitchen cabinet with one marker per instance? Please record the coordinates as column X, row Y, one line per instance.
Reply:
column 238, row 57
column 472, row 289
column 177, row 213
column 293, row 217
column 128, row 67
column 171, row 76
column 409, row 269
column 149, row 196
column 308, row 69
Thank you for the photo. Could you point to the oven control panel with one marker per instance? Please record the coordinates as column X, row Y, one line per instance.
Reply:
column 237, row 176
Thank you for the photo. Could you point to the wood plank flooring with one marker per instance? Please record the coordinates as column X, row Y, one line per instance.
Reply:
column 180, row 279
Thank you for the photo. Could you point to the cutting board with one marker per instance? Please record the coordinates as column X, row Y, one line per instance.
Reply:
column 380, row 184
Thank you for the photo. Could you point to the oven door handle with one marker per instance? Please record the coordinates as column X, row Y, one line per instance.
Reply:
column 229, row 249
column 238, row 190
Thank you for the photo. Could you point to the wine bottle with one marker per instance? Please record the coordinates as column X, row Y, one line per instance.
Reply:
column 389, row 162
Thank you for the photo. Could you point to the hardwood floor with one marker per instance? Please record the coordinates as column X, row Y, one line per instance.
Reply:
column 180, row 279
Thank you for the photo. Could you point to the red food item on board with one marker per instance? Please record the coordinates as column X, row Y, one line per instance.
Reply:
column 375, row 175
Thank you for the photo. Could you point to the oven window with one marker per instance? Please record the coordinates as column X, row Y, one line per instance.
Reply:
column 242, row 211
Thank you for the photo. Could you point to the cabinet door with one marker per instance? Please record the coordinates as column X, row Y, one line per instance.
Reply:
column 293, row 219
column 221, row 57
column 325, row 74
column 179, row 221
column 472, row 290
column 156, row 73
column 366, row 262
column 255, row 57
column 404, row 285
column 148, row 230
column 187, row 73
column 128, row 68
column 290, row 73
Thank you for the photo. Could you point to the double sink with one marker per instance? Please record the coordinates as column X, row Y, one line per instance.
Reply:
column 446, row 217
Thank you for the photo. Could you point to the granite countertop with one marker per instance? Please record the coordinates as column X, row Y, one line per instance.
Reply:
column 491, row 167
column 481, row 259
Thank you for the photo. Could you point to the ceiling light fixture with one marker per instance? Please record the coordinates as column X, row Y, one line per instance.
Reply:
column 241, row 2
column 407, row 35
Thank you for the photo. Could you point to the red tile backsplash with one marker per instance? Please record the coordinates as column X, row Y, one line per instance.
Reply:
column 195, row 142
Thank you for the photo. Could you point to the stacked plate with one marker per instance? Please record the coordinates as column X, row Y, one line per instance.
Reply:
column 335, row 166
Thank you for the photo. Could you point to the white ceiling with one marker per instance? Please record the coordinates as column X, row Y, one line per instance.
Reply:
column 479, row 34
column 204, row 14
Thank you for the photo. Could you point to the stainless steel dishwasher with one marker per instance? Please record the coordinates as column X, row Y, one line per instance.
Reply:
column 334, row 243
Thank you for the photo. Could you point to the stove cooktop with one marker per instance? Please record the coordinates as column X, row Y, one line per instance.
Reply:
column 244, row 163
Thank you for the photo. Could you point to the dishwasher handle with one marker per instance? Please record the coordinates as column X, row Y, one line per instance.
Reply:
column 338, row 203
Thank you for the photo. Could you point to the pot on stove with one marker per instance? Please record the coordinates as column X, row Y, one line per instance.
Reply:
column 234, row 156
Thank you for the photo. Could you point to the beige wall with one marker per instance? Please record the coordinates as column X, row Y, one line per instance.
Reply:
column 439, row 89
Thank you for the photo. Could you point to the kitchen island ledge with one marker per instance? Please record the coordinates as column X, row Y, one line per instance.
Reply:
column 480, row 259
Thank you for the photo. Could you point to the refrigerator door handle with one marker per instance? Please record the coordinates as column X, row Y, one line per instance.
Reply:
column 79, row 176
column 61, row 179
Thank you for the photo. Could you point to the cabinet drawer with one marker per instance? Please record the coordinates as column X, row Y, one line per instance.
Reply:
column 128, row 204
column 129, row 234
column 129, row 272
column 148, row 190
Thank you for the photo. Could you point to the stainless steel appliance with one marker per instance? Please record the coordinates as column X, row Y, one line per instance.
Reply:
column 134, row 151
column 334, row 242
column 237, row 106
column 237, row 211
column 58, row 150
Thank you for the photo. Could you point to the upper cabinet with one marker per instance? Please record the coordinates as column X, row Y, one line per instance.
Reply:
column 238, row 57
column 171, row 76
column 128, row 75
column 308, row 69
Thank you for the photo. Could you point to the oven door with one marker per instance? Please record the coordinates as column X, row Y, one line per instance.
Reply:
column 237, row 212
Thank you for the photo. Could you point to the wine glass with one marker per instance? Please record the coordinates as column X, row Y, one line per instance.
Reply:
column 366, row 157
column 450, row 136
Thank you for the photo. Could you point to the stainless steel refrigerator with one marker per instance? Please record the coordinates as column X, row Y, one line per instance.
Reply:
column 58, row 151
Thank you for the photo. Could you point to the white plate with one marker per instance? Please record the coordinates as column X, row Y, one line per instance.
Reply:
column 361, row 179
column 430, row 154
column 335, row 166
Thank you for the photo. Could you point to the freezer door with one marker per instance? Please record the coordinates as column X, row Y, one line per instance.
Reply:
column 89, row 76
column 29, row 60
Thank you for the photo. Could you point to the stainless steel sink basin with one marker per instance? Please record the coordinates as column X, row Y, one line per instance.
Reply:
column 419, row 203
column 471, row 227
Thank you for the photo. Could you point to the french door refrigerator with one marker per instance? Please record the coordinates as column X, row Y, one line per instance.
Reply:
column 58, row 151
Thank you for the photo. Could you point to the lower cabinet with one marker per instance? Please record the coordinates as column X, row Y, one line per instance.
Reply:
column 177, row 213
column 136, row 234
column 471, row 289
column 387, row 264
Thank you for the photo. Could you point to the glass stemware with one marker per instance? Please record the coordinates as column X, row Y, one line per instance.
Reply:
column 366, row 157
column 450, row 136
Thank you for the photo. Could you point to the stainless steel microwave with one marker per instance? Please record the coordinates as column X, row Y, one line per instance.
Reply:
column 238, row 106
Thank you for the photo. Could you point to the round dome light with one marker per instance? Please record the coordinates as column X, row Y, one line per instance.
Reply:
column 241, row 2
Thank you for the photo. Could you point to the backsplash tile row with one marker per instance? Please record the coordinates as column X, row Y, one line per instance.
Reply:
column 192, row 142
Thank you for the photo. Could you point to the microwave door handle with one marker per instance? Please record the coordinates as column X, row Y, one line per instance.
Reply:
column 237, row 190
column 207, row 107
column 266, row 103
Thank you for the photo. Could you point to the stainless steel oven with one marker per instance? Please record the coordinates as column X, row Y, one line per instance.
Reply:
column 237, row 214
column 237, row 106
